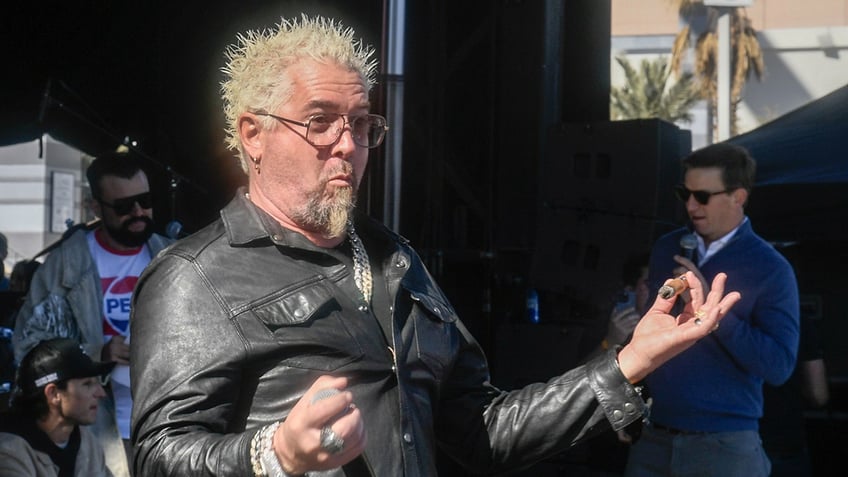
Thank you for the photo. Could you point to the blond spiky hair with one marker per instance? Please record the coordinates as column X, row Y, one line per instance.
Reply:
column 256, row 66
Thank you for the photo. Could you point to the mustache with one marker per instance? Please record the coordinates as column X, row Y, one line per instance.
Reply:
column 345, row 168
column 146, row 220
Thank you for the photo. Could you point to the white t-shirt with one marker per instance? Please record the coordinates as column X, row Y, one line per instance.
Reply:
column 119, row 271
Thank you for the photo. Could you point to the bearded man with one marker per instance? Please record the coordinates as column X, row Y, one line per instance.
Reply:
column 83, row 290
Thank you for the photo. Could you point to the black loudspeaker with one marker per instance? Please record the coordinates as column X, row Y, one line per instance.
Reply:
column 605, row 194
column 532, row 353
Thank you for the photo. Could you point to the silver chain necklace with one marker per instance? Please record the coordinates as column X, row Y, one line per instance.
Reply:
column 361, row 265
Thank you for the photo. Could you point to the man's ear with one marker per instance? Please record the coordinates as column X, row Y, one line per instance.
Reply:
column 51, row 393
column 741, row 196
column 250, row 133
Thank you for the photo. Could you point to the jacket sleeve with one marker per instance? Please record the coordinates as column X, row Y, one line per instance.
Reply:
column 492, row 430
column 90, row 460
column 186, row 391
column 45, row 313
column 766, row 344
column 19, row 459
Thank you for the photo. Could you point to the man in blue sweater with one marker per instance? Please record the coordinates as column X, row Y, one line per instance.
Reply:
column 706, row 403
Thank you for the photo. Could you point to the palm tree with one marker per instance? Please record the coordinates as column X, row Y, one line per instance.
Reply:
column 647, row 93
column 746, row 54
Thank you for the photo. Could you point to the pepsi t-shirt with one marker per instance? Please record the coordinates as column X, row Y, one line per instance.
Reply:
column 119, row 271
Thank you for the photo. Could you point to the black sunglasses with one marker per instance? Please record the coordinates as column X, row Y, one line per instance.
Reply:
column 125, row 205
column 701, row 196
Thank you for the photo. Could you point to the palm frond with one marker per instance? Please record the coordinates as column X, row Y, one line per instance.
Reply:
column 746, row 52
column 647, row 93
column 680, row 48
column 706, row 52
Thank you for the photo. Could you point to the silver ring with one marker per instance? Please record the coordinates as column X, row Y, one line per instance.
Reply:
column 698, row 321
column 330, row 441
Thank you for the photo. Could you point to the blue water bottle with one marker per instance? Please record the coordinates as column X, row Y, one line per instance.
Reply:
column 532, row 306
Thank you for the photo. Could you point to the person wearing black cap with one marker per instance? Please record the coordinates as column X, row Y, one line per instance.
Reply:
column 57, row 390
column 84, row 287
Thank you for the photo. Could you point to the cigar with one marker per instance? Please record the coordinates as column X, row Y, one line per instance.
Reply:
column 673, row 287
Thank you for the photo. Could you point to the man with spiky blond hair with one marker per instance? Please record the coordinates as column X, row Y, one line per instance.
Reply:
column 297, row 336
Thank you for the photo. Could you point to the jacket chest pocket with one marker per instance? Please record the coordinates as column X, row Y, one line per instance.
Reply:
column 307, row 329
column 435, row 339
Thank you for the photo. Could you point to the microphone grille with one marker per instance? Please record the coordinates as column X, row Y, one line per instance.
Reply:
column 173, row 229
column 324, row 394
column 689, row 242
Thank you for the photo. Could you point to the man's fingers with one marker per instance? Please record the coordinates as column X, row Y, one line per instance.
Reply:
column 717, row 288
column 678, row 286
column 327, row 410
column 662, row 305
column 327, row 381
column 710, row 311
column 696, row 291
column 326, row 404
column 350, row 426
column 328, row 401
column 728, row 301
column 714, row 295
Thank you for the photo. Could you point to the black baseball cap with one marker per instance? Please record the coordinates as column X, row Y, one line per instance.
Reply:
column 57, row 360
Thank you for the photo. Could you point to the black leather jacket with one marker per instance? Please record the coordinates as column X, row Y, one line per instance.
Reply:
column 233, row 324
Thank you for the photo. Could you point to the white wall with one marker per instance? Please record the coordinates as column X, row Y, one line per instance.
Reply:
column 26, row 171
column 802, row 65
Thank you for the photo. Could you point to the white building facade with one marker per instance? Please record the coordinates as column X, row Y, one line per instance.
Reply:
column 41, row 192
column 804, row 44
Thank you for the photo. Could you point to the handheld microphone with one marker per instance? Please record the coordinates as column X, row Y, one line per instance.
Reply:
column 174, row 230
column 360, row 465
column 324, row 394
column 688, row 244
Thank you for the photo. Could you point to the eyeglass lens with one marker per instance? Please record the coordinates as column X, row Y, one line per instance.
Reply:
column 125, row 205
column 367, row 131
column 701, row 196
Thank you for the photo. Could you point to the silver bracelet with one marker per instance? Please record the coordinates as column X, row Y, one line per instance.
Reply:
column 270, row 463
column 255, row 454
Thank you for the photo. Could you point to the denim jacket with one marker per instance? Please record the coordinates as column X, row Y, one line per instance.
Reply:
column 65, row 300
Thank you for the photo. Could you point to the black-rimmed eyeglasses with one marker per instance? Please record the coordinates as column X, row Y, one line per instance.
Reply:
column 701, row 196
column 323, row 130
column 125, row 205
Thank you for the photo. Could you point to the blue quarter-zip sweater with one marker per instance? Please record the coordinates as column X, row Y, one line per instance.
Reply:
column 716, row 385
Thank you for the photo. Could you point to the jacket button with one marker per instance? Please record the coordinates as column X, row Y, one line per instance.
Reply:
column 276, row 237
column 617, row 415
column 407, row 437
column 629, row 408
column 401, row 263
column 363, row 308
column 299, row 313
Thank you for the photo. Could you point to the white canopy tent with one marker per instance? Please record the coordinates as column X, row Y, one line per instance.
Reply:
column 41, row 191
